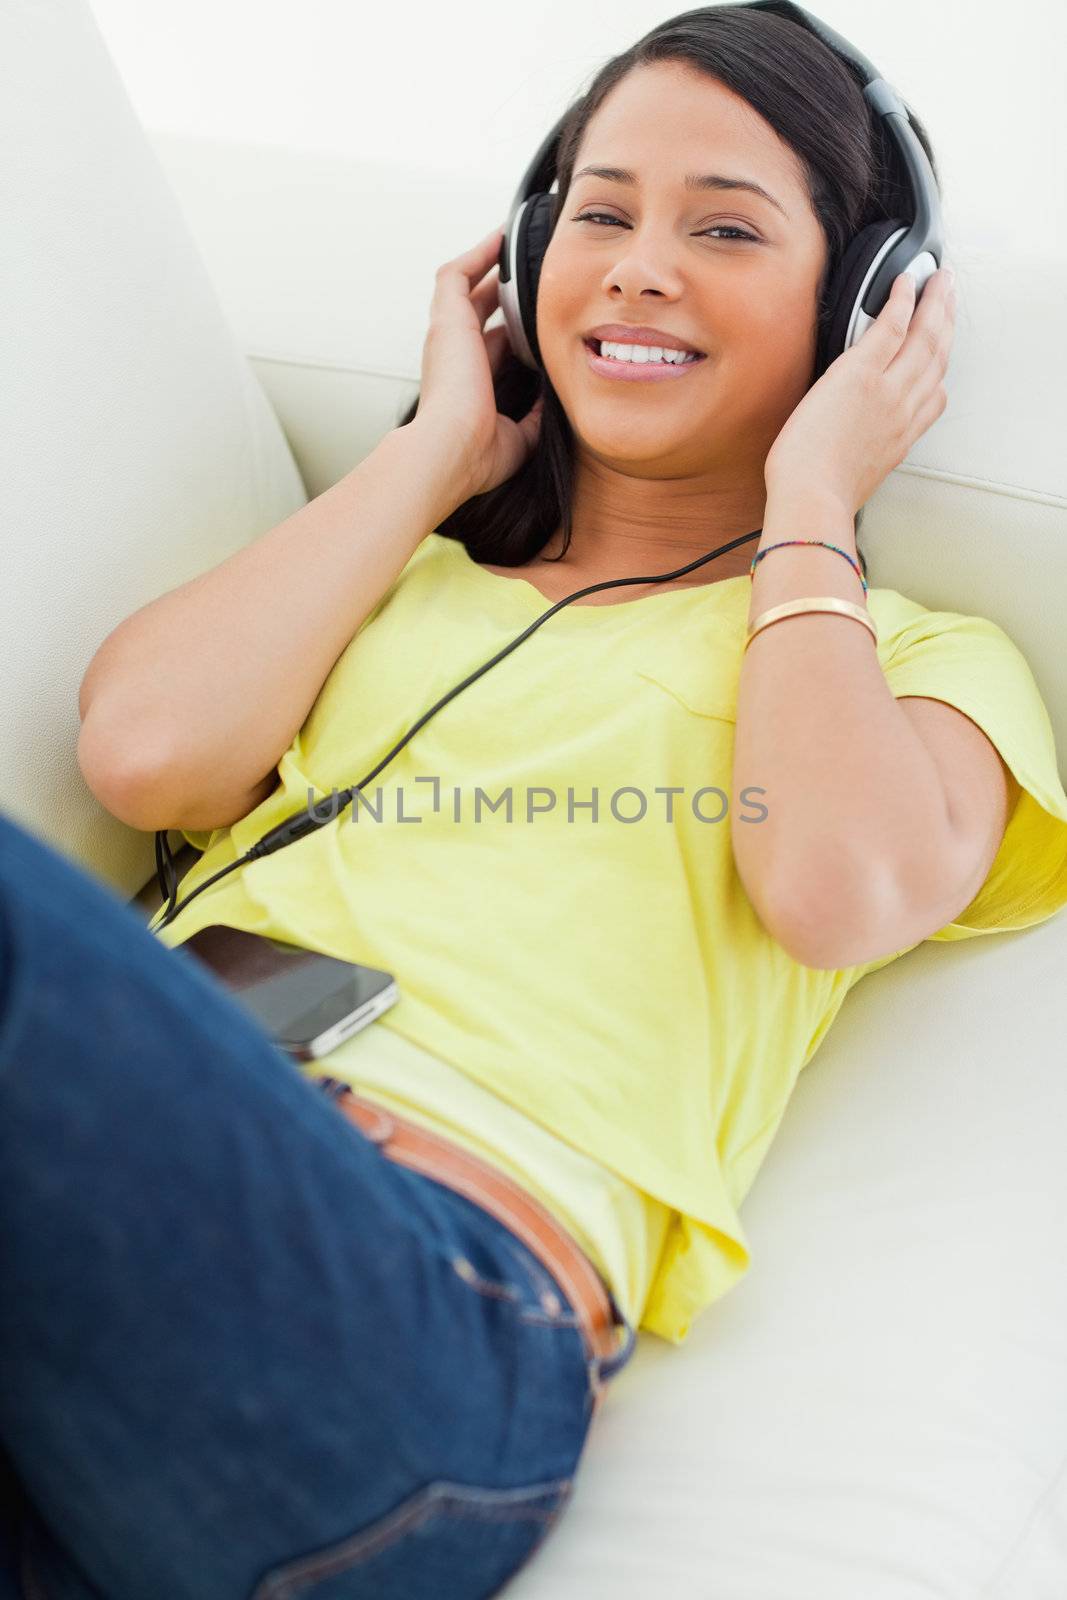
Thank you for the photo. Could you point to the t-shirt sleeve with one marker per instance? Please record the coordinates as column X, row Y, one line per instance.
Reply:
column 972, row 664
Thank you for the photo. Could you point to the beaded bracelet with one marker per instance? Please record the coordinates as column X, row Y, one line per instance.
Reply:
column 794, row 608
column 826, row 545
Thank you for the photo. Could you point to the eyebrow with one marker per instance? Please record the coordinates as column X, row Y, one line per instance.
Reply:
column 693, row 180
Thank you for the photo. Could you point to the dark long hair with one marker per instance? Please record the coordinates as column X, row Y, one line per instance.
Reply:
column 852, row 174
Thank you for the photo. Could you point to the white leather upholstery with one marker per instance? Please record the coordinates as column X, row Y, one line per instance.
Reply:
column 880, row 1409
column 138, row 448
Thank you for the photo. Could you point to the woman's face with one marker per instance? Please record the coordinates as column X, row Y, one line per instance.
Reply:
column 664, row 256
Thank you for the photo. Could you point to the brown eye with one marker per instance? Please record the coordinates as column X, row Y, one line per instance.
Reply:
column 719, row 227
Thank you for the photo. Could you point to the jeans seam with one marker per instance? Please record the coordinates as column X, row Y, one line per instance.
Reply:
column 536, row 1280
column 550, row 1319
column 484, row 1286
column 432, row 1499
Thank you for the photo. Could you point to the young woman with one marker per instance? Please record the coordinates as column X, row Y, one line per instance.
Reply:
column 262, row 1341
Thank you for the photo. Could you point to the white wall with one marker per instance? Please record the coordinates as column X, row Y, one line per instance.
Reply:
column 473, row 86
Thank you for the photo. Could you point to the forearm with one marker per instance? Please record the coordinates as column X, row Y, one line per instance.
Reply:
column 195, row 697
column 855, row 803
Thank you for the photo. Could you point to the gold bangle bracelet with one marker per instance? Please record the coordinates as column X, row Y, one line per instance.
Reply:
column 821, row 602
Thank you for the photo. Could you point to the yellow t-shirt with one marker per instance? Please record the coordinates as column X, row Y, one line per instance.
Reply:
column 620, row 1229
column 589, row 955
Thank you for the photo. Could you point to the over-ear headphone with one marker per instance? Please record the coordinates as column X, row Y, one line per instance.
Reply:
column 862, row 279
column 857, row 293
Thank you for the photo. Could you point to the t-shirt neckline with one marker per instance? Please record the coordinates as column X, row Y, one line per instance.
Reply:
column 528, row 592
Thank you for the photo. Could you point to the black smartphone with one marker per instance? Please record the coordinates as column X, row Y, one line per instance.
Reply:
column 306, row 1001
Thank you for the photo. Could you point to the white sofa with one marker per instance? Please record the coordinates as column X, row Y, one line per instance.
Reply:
column 199, row 338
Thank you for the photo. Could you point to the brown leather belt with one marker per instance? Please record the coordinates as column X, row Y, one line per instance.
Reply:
column 580, row 1283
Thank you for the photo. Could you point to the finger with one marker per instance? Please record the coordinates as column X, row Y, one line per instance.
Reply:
column 497, row 346
column 922, row 359
column 486, row 297
column 530, row 425
column 882, row 340
column 485, row 248
column 460, row 274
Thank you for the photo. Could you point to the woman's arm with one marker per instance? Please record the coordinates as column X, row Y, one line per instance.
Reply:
column 864, row 850
column 189, row 704
column 861, row 853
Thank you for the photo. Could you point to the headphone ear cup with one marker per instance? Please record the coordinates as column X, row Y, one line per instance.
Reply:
column 845, row 287
column 535, row 230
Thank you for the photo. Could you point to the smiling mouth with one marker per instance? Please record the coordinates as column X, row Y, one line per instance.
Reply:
column 691, row 356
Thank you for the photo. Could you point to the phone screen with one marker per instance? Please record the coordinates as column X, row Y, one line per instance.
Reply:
column 308, row 1002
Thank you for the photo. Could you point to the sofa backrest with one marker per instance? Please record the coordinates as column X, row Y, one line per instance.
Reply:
column 138, row 447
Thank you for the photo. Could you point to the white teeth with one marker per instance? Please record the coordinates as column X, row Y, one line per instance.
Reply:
column 644, row 352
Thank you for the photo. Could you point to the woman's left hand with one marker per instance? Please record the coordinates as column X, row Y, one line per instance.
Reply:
column 860, row 419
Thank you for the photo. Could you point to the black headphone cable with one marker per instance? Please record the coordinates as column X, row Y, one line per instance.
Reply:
column 300, row 823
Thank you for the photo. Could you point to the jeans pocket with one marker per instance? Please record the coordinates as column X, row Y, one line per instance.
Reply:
column 447, row 1539
column 509, row 1272
column 528, row 1285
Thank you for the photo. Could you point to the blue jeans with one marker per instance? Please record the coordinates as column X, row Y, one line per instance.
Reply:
column 236, row 1360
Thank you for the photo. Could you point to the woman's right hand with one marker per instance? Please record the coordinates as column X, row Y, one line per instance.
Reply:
column 457, row 407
